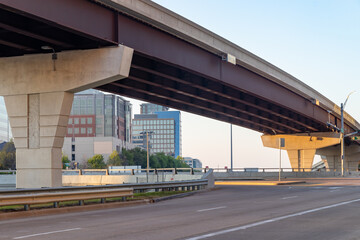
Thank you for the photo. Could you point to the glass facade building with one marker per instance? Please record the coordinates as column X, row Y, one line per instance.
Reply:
column 95, row 114
column 98, row 124
column 5, row 132
column 150, row 108
column 164, row 132
column 193, row 162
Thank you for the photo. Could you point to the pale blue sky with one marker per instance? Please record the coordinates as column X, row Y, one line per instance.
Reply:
column 317, row 41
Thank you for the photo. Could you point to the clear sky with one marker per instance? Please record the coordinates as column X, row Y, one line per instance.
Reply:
column 317, row 41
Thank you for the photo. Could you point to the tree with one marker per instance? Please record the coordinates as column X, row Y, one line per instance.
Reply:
column 114, row 159
column 96, row 162
column 65, row 161
column 8, row 156
column 127, row 156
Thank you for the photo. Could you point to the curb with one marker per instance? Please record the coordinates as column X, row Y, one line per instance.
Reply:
column 155, row 200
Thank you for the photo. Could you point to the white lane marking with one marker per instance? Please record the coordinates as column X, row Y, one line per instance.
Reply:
column 289, row 197
column 333, row 188
column 46, row 233
column 209, row 209
column 271, row 220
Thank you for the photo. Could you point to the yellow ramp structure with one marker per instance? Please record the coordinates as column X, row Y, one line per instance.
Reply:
column 301, row 148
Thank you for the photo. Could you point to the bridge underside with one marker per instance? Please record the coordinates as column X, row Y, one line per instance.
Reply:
column 165, row 69
column 152, row 64
column 153, row 80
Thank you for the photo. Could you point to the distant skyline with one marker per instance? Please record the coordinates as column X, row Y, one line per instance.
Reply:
column 315, row 41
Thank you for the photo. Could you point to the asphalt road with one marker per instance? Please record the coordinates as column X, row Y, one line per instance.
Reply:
column 231, row 212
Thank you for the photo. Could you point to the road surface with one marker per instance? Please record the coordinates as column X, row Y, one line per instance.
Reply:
column 309, row 211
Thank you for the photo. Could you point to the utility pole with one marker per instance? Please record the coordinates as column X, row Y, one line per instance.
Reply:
column 147, row 157
column 231, row 147
column 342, row 133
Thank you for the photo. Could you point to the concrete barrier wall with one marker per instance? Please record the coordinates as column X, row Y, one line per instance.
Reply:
column 85, row 180
column 219, row 175
column 7, row 179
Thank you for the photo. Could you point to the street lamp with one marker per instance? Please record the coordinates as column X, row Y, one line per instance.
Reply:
column 231, row 147
column 342, row 133
column 147, row 153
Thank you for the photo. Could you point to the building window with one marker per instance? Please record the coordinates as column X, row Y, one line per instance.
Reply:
column 83, row 130
column 89, row 120
column 99, row 130
column 70, row 130
column 73, row 147
column 72, row 157
column 76, row 130
column 70, row 121
column 76, row 120
column 83, row 120
column 89, row 131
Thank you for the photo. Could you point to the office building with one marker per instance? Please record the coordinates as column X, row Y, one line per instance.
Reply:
column 5, row 131
column 163, row 128
column 99, row 124
column 150, row 108
column 193, row 162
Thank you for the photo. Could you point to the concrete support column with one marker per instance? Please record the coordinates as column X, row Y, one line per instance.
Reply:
column 331, row 157
column 301, row 148
column 301, row 158
column 39, row 123
column 39, row 100
column 332, row 162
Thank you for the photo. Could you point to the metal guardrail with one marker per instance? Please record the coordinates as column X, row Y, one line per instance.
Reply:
column 260, row 170
column 133, row 171
column 27, row 197
column 56, row 197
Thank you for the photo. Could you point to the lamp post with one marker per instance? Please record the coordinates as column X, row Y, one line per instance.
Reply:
column 147, row 153
column 231, row 147
column 147, row 156
column 342, row 106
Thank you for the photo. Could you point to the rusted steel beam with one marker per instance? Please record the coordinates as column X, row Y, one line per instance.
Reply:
column 230, row 97
column 145, row 96
column 196, row 94
column 158, row 44
column 194, row 102
column 81, row 17
column 16, row 46
column 33, row 35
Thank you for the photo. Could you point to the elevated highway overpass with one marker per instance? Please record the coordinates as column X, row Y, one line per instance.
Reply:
column 144, row 51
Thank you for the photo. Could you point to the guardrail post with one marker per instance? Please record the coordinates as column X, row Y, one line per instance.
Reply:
column 26, row 207
column 107, row 172
column 175, row 171
column 56, row 204
column 80, row 172
column 81, row 202
column 132, row 172
column 123, row 199
column 183, row 188
column 192, row 171
column 102, row 200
